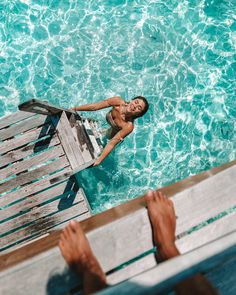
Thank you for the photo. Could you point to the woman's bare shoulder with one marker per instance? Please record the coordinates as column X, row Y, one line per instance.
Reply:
column 128, row 126
column 115, row 100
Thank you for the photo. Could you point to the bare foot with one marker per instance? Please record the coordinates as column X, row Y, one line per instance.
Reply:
column 162, row 216
column 77, row 253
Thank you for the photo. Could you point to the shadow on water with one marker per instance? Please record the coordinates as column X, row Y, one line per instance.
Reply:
column 69, row 194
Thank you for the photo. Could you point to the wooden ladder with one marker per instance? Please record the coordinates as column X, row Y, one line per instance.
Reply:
column 41, row 148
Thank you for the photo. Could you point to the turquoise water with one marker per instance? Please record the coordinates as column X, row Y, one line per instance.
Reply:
column 180, row 55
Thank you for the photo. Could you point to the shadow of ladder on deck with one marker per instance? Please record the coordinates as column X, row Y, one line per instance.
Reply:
column 41, row 148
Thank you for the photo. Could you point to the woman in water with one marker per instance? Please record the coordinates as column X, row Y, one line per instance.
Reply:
column 121, row 118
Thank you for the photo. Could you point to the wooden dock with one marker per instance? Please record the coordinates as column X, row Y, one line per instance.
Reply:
column 41, row 148
column 121, row 239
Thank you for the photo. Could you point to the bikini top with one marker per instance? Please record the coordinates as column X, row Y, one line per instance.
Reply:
column 111, row 121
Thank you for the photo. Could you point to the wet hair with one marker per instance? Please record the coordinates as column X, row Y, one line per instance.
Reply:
column 146, row 106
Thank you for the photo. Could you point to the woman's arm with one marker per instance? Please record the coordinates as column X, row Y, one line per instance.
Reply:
column 112, row 101
column 113, row 142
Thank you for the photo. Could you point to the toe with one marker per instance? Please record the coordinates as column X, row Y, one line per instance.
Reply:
column 158, row 196
column 149, row 197
column 73, row 225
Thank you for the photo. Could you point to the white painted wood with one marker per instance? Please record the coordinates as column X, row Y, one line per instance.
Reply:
column 23, row 126
column 29, row 163
column 205, row 200
column 32, row 175
column 135, row 230
column 25, row 138
column 208, row 233
column 28, row 150
column 50, row 263
column 170, row 272
column 53, row 275
column 14, row 118
column 35, row 187
column 132, row 270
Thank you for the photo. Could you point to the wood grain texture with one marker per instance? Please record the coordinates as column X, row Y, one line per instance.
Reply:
column 14, row 118
column 38, row 212
column 23, row 126
column 168, row 273
column 76, row 130
column 91, row 137
column 26, row 138
column 28, row 150
column 185, row 244
column 135, row 230
column 27, row 177
column 121, row 225
column 35, row 187
column 36, row 200
column 45, row 224
column 29, row 163
column 69, row 142
column 114, row 214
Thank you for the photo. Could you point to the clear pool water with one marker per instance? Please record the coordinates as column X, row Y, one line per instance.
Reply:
column 180, row 55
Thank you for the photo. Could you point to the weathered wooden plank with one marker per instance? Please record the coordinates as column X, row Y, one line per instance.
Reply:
column 84, row 138
column 32, row 175
column 35, row 187
column 135, row 230
column 28, row 150
column 211, row 197
column 26, row 138
column 208, row 233
column 38, row 159
column 185, row 244
column 14, row 118
column 168, row 273
column 42, row 107
column 50, row 267
column 78, row 211
column 133, row 269
column 91, row 137
column 83, row 145
column 51, row 278
column 37, row 199
column 109, row 216
column 23, row 126
column 61, row 203
column 69, row 142
column 47, row 225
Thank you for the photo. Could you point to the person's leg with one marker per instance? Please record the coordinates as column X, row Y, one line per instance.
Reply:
column 77, row 253
column 162, row 216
